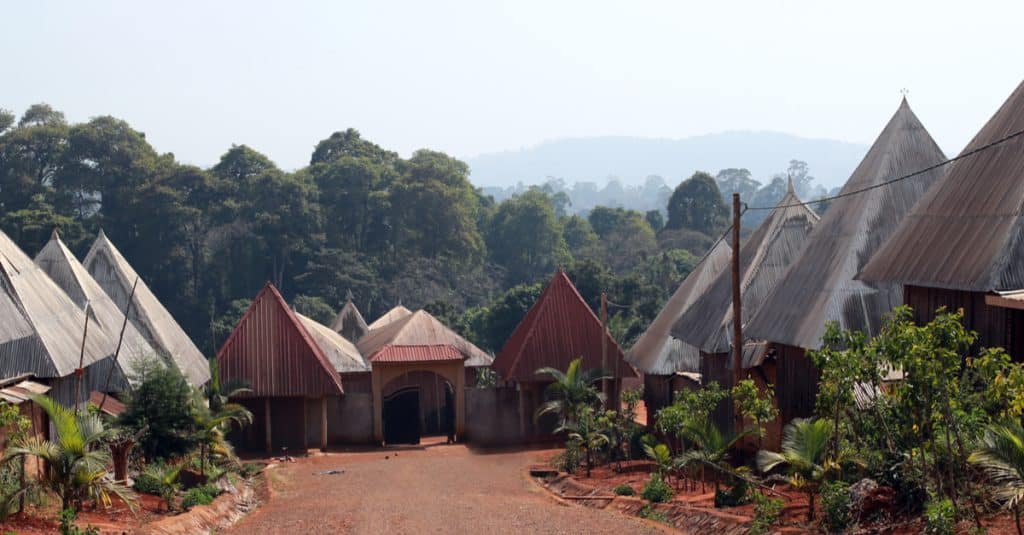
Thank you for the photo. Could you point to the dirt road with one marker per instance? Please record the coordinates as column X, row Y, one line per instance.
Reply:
column 440, row 489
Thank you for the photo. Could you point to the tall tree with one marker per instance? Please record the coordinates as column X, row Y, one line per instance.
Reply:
column 697, row 204
column 526, row 237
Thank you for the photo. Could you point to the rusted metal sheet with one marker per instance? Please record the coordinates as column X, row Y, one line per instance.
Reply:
column 966, row 233
column 106, row 404
column 764, row 258
column 394, row 353
column 116, row 276
column 558, row 328
column 272, row 350
column 996, row 326
column 422, row 329
column 21, row 391
column 819, row 286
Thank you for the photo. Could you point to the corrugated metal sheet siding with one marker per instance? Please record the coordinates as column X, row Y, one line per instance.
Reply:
column 395, row 354
column 966, row 233
column 115, row 275
column 422, row 329
column 657, row 351
column 764, row 258
column 558, row 328
column 819, row 286
column 270, row 349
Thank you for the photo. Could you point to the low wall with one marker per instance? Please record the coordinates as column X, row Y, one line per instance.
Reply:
column 350, row 419
column 492, row 416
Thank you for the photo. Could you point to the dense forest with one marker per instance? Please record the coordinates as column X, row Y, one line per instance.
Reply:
column 359, row 218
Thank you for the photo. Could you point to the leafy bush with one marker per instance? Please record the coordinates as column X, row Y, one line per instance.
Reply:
column 835, row 503
column 249, row 470
column 939, row 517
column 68, row 527
column 766, row 514
column 163, row 402
column 569, row 460
column 650, row 513
column 196, row 496
column 656, row 490
column 148, row 484
column 736, row 495
column 624, row 490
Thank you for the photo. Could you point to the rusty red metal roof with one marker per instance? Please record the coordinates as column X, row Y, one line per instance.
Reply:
column 271, row 349
column 558, row 328
column 418, row 353
column 108, row 406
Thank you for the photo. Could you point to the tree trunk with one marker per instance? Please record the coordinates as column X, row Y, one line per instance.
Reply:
column 1016, row 519
column 810, row 507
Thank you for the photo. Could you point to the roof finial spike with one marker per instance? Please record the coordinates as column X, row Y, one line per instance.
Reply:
column 54, row 236
column 904, row 91
column 789, row 185
column 348, row 295
column 101, row 235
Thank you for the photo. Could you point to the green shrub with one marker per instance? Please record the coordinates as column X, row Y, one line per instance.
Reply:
column 148, row 484
column 939, row 517
column 68, row 527
column 650, row 513
column 766, row 514
column 835, row 503
column 569, row 460
column 624, row 490
column 734, row 496
column 656, row 490
column 249, row 470
column 196, row 496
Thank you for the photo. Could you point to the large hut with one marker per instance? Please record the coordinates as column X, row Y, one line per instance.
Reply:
column 420, row 371
column 117, row 278
column 43, row 333
column 819, row 287
column 708, row 324
column 67, row 272
column 557, row 329
column 961, row 246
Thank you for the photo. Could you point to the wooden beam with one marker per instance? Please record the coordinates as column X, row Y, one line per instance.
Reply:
column 266, row 418
column 323, row 423
column 305, row 427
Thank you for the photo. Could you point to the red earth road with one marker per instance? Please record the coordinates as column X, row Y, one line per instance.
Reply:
column 439, row 489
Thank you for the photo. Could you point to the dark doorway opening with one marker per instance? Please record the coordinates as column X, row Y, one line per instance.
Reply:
column 401, row 416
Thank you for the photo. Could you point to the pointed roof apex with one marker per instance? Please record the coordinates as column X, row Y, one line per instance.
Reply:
column 54, row 235
column 349, row 296
column 101, row 235
column 789, row 185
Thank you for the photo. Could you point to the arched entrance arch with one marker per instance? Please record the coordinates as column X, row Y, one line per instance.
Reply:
column 452, row 370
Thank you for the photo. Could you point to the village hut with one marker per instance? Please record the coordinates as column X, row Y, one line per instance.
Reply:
column 420, row 372
column 558, row 328
column 291, row 377
column 819, row 287
column 961, row 246
column 708, row 323
column 392, row 315
column 67, row 272
column 349, row 322
column 667, row 363
column 116, row 276
column 42, row 332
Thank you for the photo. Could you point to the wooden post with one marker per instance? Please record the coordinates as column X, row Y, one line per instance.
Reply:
column 737, row 301
column 266, row 419
column 323, row 423
column 305, row 427
column 522, row 410
column 604, row 350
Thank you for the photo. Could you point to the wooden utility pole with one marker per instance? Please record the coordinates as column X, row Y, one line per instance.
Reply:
column 80, row 370
column 737, row 302
column 604, row 350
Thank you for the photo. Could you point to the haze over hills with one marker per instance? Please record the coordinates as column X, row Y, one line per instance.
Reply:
column 631, row 159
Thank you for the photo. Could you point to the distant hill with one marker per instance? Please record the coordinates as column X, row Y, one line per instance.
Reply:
column 631, row 159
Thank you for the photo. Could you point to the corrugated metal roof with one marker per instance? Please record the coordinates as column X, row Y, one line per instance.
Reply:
column 558, row 328
column 416, row 354
column 967, row 232
column 349, row 322
column 65, row 270
column 344, row 355
column 115, row 275
column 819, row 286
column 40, row 326
column 272, row 350
column 390, row 316
column 764, row 258
column 108, row 405
column 22, row 391
column 422, row 329
column 657, row 351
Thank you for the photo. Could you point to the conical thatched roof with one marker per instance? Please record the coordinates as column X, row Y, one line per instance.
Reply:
column 771, row 248
column 657, row 352
column 40, row 326
column 116, row 276
column 967, row 233
column 420, row 329
column 819, row 286
column 349, row 322
column 390, row 316
column 68, row 273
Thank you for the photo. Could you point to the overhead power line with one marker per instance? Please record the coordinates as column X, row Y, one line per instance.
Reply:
column 898, row 179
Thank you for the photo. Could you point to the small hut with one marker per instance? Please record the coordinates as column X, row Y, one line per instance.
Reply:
column 116, row 276
column 960, row 247
column 349, row 322
column 65, row 270
column 290, row 376
column 557, row 329
column 819, row 287
column 708, row 324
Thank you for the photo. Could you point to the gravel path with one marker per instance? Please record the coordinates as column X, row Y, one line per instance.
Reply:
column 440, row 489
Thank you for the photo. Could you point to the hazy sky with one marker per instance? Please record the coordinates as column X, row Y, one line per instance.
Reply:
column 474, row 76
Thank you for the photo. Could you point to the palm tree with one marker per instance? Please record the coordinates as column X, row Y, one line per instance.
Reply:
column 218, row 394
column 588, row 436
column 709, row 446
column 805, row 447
column 570, row 391
column 1001, row 456
column 76, row 458
column 212, row 427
